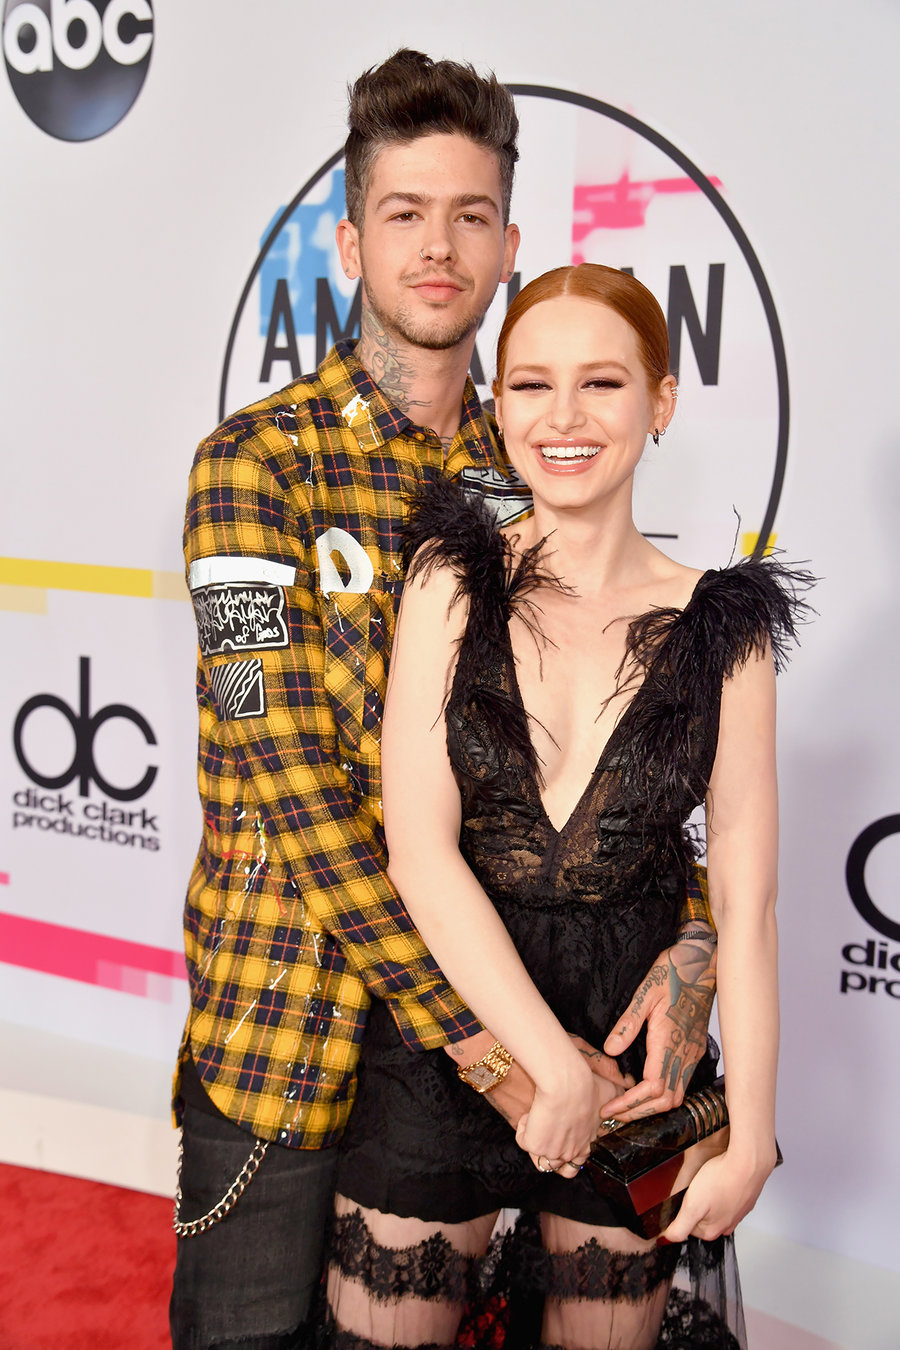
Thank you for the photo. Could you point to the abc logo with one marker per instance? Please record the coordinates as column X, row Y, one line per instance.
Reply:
column 77, row 66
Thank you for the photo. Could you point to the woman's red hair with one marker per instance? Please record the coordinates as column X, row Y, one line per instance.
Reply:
column 605, row 286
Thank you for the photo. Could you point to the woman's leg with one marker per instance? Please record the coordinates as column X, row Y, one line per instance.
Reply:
column 607, row 1288
column 399, row 1282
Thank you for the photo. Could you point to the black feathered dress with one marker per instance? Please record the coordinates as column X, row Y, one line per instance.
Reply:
column 589, row 907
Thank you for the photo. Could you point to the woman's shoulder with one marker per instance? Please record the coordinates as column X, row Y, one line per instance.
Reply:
column 450, row 527
column 743, row 608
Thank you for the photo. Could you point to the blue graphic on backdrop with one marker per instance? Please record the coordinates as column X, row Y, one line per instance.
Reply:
column 296, row 297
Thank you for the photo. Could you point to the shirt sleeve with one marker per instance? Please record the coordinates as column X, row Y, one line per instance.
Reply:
column 264, row 653
column 695, row 906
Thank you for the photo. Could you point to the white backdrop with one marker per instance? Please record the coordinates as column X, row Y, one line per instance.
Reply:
column 124, row 258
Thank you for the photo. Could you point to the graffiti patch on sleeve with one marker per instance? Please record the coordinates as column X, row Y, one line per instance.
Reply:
column 238, row 689
column 234, row 618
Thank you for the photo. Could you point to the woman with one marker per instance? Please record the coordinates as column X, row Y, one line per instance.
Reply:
column 543, row 749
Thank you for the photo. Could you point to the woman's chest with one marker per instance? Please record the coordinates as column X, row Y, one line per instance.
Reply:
column 574, row 681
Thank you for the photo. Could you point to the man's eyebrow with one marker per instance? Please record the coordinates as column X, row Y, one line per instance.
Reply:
column 408, row 198
column 475, row 199
column 464, row 199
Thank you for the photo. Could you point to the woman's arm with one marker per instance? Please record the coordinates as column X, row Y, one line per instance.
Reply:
column 459, row 924
column 742, row 846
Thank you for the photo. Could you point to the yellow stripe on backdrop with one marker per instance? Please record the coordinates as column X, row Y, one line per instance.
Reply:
column 24, row 582
column 750, row 540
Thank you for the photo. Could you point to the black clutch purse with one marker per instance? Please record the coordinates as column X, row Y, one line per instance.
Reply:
column 644, row 1168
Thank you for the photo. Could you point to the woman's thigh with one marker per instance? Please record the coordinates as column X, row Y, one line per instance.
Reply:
column 400, row 1282
column 607, row 1289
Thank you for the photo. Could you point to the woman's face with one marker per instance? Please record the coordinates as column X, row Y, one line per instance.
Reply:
column 575, row 405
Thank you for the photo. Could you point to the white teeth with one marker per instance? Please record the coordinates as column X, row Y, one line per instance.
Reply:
column 569, row 451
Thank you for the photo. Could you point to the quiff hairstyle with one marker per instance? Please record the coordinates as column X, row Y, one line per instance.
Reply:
column 409, row 96
column 619, row 291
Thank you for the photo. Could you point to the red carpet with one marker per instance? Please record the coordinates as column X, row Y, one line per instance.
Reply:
column 85, row 1266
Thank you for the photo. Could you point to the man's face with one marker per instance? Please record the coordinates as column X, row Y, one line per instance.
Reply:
column 432, row 247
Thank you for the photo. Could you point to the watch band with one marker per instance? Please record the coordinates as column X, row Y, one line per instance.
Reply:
column 488, row 1071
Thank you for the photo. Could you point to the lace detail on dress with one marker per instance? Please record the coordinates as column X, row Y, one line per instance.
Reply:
column 511, row 1293
column 332, row 1338
column 430, row 1269
column 691, row 1324
column 591, row 1271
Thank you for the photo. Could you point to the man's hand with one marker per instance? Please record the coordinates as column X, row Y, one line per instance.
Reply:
column 675, row 1000
column 604, row 1066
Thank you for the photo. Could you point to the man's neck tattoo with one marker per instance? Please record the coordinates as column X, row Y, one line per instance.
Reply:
column 387, row 363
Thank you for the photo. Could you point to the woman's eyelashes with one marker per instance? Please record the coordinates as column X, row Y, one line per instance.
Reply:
column 600, row 382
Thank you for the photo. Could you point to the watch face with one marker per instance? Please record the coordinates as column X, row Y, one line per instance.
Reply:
column 480, row 1076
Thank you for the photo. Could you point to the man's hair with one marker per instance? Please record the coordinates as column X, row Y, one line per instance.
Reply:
column 409, row 96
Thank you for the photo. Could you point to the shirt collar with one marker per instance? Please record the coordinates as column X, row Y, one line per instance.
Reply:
column 374, row 420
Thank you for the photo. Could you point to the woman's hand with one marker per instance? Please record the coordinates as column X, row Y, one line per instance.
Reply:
column 564, row 1118
column 723, row 1191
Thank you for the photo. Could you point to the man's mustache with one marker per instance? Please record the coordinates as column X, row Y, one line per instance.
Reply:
column 437, row 279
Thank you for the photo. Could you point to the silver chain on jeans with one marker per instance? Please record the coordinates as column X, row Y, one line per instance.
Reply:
column 229, row 1199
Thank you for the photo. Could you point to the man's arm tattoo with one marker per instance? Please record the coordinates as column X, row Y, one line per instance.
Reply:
column 692, row 988
column 499, row 1109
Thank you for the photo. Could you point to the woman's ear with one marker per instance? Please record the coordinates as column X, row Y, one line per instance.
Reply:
column 664, row 408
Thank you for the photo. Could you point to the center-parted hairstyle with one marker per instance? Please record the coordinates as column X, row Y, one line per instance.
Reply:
column 617, row 290
column 409, row 96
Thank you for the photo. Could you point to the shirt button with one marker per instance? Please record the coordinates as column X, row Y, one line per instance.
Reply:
column 419, row 436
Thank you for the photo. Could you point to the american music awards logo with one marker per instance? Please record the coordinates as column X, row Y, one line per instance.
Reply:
column 593, row 184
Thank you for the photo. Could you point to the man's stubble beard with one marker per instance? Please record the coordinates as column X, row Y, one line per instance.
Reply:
column 431, row 337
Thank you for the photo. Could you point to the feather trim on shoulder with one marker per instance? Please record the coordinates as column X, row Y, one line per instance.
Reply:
column 733, row 613
column 687, row 654
column 450, row 526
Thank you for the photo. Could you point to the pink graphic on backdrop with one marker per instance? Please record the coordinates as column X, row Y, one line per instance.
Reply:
column 621, row 205
column 92, row 958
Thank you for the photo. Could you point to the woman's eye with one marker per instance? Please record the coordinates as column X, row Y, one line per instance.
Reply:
column 528, row 384
column 604, row 383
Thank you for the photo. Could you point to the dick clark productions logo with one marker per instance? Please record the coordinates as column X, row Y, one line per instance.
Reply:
column 77, row 66
column 80, row 816
column 872, row 956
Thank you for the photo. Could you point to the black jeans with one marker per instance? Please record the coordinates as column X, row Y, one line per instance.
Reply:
column 247, row 1282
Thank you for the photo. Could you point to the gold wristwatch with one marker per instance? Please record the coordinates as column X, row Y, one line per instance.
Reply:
column 488, row 1071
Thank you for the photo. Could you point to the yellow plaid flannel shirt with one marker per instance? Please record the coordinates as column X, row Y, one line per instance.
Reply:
column 292, row 540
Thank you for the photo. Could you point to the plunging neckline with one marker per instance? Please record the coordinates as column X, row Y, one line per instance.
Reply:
column 623, row 716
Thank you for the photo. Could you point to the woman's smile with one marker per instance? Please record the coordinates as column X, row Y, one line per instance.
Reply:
column 564, row 455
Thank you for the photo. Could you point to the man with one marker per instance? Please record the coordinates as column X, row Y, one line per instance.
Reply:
column 293, row 538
